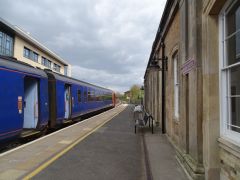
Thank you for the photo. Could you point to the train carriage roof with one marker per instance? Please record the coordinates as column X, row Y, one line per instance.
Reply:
column 13, row 64
column 74, row 81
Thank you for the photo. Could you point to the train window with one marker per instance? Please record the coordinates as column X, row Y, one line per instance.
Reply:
column 89, row 95
column 85, row 96
column 93, row 95
column 97, row 96
column 109, row 97
column 100, row 96
column 79, row 95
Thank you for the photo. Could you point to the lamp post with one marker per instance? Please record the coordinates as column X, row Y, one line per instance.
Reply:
column 164, row 66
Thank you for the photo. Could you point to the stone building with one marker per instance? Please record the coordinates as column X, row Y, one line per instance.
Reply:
column 15, row 42
column 192, row 85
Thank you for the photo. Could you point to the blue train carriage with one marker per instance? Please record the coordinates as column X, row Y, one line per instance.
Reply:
column 24, row 99
column 70, row 98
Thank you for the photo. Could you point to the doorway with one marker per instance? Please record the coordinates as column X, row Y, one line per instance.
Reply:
column 67, row 96
column 31, row 105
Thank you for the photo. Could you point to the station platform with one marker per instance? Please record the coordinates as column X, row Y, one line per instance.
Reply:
column 102, row 147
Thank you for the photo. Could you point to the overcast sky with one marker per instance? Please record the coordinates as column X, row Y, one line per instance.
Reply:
column 108, row 42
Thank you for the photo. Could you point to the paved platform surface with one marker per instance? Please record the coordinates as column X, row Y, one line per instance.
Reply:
column 163, row 163
column 114, row 152
column 111, row 152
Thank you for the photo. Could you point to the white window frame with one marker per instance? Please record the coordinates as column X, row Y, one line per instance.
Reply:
column 176, row 85
column 66, row 70
column 224, row 78
column 56, row 67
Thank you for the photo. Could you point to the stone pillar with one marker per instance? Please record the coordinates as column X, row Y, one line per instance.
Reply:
column 156, row 95
column 151, row 93
column 158, row 99
column 211, row 119
column 191, row 147
column 195, row 111
column 183, row 104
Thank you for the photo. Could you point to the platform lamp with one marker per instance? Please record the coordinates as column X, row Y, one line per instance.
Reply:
column 154, row 63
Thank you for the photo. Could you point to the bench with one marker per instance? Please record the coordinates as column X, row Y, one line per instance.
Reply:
column 142, row 119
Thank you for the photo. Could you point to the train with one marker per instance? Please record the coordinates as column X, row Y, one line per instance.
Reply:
column 33, row 100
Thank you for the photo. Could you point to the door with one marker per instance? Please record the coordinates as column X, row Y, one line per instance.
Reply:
column 67, row 96
column 31, row 104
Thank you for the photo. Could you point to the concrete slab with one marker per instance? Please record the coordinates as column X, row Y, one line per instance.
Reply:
column 11, row 174
column 162, row 157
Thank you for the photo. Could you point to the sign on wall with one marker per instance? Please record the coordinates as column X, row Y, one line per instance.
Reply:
column 188, row 66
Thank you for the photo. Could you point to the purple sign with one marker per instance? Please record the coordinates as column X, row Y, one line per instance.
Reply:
column 188, row 66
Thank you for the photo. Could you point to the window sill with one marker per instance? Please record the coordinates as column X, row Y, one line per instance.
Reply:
column 230, row 146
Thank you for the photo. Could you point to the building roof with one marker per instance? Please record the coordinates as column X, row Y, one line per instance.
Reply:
column 161, row 26
column 26, row 36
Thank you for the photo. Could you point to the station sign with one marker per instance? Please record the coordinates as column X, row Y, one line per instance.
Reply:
column 188, row 66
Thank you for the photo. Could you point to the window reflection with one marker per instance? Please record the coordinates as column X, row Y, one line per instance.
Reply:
column 233, row 34
column 6, row 44
column 235, row 98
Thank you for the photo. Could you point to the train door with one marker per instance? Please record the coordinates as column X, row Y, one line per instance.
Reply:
column 67, row 96
column 31, row 104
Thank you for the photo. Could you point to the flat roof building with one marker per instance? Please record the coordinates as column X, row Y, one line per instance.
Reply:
column 15, row 42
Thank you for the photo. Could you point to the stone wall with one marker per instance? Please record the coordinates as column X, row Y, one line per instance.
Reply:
column 192, row 30
column 172, row 47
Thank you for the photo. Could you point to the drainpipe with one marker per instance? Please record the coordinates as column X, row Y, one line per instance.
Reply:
column 163, row 87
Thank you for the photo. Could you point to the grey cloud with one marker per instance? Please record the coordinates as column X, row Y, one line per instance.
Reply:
column 111, row 40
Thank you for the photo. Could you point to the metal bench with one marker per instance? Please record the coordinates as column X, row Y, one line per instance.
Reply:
column 142, row 119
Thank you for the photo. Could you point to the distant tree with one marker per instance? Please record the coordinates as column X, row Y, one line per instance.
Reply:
column 120, row 96
column 136, row 94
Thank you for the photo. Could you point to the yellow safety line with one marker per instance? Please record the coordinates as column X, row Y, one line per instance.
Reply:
column 57, row 156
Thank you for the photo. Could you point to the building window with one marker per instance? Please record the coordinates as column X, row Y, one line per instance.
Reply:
column 230, row 70
column 176, row 85
column 46, row 62
column 6, row 44
column 1, row 38
column 27, row 53
column 65, row 70
column 35, row 57
column 56, row 67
